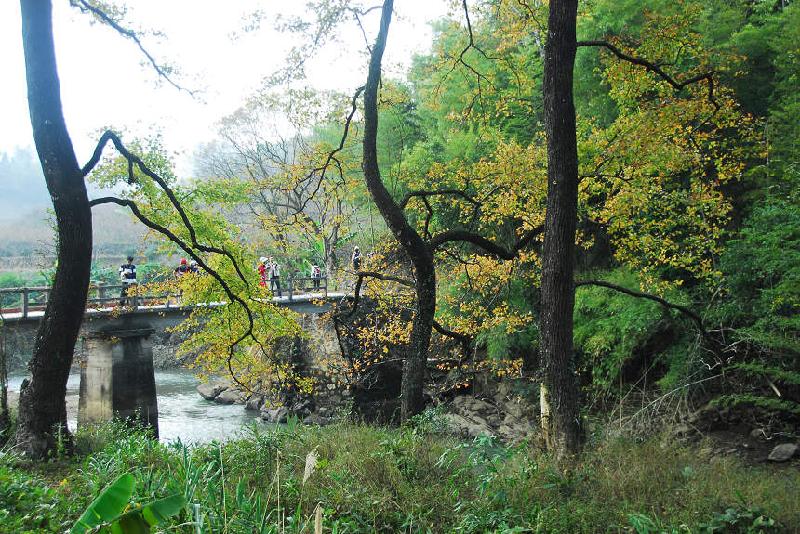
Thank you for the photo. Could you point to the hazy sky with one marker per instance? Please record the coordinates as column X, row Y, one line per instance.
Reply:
column 104, row 82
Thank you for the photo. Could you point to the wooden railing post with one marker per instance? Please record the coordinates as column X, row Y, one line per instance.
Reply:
column 290, row 280
column 25, row 303
column 101, row 294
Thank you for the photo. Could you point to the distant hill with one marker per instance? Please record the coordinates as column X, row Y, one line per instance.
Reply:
column 22, row 187
column 25, row 227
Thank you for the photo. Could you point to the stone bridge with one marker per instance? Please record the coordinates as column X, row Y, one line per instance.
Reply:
column 21, row 310
column 120, row 345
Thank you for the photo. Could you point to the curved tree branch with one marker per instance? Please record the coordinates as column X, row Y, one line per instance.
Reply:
column 638, row 294
column 191, row 252
column 379, row 276
column 101, row 15
column 708, row 77
column 464, row 339
column 134, row 160
column 435, row 192
column 487, row 245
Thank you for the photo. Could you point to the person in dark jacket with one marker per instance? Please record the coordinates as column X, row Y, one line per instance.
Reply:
column 127, row 275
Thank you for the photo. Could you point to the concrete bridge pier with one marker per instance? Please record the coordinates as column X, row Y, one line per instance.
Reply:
column 117, row 378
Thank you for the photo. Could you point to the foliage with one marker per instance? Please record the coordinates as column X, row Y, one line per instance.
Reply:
column 236, row 338
column 369, row 479
column 612, row 329
column 110, row 511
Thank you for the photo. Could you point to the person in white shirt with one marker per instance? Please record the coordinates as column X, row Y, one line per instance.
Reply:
column 127, row 275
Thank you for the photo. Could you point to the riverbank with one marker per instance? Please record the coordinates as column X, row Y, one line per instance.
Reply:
column 411, row 479
column 182, row 413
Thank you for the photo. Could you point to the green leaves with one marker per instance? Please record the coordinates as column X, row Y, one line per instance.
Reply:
column 108, row 510
column 107, row 506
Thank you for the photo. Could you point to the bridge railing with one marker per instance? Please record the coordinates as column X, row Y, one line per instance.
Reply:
column 24, row 300
column 306, row 285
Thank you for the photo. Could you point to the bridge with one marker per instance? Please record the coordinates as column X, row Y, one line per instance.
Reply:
column 27, row 304
column 116, row 351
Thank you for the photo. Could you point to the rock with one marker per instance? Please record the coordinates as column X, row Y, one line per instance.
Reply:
column 254, row 403
column 211, row 391
column 459, row 401
column 229, row 396
column 478, row 405
column 275, row 415
column 316, row 419
column 506, row 431
column 758, row 433
column 783, row 452
column 515, row 408
column 301, row 408
column 473, row 427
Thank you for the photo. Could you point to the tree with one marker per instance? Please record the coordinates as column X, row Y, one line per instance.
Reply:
column 419, row 249
column 42, row 408
column 291, row 201
column 560, row 408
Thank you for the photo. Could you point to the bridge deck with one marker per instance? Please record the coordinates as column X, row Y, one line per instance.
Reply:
column 297, row 299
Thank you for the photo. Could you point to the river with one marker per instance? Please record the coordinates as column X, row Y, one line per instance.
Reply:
column 182, row 412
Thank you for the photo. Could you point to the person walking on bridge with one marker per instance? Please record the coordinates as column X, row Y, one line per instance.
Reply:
column 263, row 271
column 316, row 274
column 127, row 275
column 356, row 259
column 181, row 269
column 274, row 277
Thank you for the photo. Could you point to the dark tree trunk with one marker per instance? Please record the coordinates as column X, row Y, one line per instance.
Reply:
column 560, row 409
column 418, row 250
column 42, row 409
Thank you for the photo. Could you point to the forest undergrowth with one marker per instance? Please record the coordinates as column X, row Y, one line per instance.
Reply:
column 416, row 478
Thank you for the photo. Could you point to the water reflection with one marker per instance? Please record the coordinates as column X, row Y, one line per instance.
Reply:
column 182, row 412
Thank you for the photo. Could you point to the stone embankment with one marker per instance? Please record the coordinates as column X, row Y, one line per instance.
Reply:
column 501, row 414
column 306, row 410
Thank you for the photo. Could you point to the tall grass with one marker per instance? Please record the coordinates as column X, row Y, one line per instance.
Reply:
column 355, row 478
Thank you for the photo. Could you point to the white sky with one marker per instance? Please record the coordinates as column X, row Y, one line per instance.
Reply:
column 104, row 81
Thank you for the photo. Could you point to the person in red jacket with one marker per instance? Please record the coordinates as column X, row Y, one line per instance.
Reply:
column 263, row 271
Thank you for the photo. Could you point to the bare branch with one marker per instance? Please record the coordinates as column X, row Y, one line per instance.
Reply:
column 134, row 160
column 435, row 192
column 658, row 71
column 163, row 72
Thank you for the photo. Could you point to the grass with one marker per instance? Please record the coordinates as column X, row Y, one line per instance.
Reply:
column 411, row 479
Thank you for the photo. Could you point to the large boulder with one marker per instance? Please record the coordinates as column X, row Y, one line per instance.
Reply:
column 211, row 390
column 254, row 403
column 783, row 452
column 275, row 415
column 229, row 396
column 471, row 427
column 316, row 419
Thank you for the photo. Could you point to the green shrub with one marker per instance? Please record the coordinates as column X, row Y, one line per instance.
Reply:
column 412, row 478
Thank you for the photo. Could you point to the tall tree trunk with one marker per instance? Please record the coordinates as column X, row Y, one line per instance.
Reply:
column 418, row 250
column 561, row 426
column 42, row 409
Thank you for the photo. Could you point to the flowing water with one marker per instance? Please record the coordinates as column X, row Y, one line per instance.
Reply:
column 182, row 412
